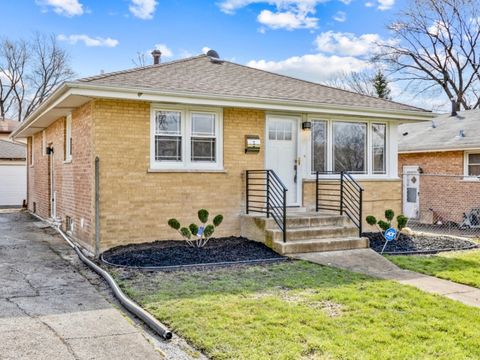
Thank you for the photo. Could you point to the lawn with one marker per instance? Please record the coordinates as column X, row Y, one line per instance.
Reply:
column 299, row 310
column 462, row 267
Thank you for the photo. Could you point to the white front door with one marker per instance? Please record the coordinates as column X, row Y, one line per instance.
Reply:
column 281, row 153
column 411, row 186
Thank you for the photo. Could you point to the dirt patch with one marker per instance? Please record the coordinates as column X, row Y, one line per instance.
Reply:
column 178, row 253
column 418, row 244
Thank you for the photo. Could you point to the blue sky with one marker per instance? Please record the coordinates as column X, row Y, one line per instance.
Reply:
column 311, row 39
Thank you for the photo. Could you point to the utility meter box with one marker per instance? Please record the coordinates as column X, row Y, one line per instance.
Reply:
column 252, row 143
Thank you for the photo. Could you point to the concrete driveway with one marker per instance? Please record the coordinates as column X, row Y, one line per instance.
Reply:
column 49, row 310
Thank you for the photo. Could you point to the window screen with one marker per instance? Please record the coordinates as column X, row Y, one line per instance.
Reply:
column 168, row 136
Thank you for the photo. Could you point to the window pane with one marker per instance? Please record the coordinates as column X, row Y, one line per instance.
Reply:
column 203, row 124
column 349, row 147
column 474, row 159
column 319, row 149
column 474, row 170
column 168, row 148
column 168, row 122
column 411, row 195
column 379, row 148
column 203, row 149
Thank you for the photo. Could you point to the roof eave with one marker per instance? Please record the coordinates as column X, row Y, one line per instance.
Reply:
column 145, row 94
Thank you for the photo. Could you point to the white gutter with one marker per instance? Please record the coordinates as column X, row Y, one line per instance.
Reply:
column 438, row 150
column 145, row 94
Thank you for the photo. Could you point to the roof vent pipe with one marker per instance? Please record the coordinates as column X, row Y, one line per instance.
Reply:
column 433, row 124
column 462, row 133
column 156, row 54
column 454, row 107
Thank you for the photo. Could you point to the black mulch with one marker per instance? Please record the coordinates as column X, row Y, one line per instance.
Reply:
column 178, row 253
column 417, row 244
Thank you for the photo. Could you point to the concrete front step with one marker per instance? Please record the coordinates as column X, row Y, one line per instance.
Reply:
column 307, row 220
column 317, row 232
column 320, row 245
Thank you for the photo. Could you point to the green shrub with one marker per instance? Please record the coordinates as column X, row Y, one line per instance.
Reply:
column 192, row 230
column 383, row 225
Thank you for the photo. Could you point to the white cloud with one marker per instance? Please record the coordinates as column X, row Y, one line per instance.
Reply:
column 340, row 16
column 286, row 20
column 166, row 51
column 385, row 4
column 313, row 67
column 63, row 7
column 205, row 49
column 143, row 9
column 369, row 4
column 288, row 14
column 348, row 44
column 88, row 41
column 346, row 2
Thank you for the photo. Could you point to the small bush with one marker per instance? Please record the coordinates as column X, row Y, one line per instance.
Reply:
column 389, row 214
column 192, row 230
column 401, row 222
column 383, row 225
column 371, row 220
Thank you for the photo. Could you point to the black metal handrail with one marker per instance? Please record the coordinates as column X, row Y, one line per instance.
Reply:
column 266, row 194
column 340, row 192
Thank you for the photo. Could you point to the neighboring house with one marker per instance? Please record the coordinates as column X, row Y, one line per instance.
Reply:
column 13, row 171
column 171, row 139
column 440, row 161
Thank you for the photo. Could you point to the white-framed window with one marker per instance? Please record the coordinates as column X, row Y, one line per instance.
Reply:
column 359, row 147
column 68, row 138
column 472, row 164
column 186, row 138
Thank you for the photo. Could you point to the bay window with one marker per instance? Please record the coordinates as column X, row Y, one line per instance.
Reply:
column 184, row 139
column 319, row 146
column 357, row 147
column 350, row 147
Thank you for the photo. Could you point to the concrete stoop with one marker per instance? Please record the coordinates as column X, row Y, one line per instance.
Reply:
column 306, row 232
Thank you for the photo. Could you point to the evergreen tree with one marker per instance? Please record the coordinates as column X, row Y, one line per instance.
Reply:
column 380, row 83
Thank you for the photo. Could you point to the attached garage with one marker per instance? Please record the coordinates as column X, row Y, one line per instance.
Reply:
column 13, row 174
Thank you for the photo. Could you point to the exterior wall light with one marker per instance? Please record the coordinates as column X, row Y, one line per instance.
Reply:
column 306, row 125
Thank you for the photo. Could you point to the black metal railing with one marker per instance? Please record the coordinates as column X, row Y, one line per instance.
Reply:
column 339, row 191
column 265, row 193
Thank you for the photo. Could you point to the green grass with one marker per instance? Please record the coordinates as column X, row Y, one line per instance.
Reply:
column 462, row 267
column 298, row 310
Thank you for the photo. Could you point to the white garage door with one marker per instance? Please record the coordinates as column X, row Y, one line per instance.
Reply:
column 13, row 184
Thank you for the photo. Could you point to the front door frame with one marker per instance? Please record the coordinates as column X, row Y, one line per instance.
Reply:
column 298, row 122
column 409, row 170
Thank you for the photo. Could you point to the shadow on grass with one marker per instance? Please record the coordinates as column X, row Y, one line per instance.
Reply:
column 291, row 275
column 457, row 269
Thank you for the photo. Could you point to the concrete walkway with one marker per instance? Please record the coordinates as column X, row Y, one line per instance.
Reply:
column 50, row 310
column 368, row 262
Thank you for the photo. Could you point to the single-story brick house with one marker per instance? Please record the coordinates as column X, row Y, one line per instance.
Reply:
column 440, row 163
column 171, row 139
column 13, row 170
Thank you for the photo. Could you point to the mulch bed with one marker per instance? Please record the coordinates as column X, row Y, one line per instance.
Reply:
column 418, row 244
column 164, row 254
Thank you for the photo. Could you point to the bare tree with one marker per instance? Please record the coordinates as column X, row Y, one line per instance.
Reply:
column 30, row 71
column 360, row 82
column 436, row 46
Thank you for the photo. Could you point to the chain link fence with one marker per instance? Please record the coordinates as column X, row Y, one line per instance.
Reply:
column 442, row 204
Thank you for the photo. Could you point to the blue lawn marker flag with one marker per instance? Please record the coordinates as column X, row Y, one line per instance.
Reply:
column 389, row 235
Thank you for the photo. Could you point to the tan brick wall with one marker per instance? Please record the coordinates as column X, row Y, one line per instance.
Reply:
column 136, row 204
column 443, row 193
column 73, row 180
column 378, row 196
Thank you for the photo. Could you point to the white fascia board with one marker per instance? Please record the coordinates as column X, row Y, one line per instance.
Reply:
column 473, row 148
column 230, row 101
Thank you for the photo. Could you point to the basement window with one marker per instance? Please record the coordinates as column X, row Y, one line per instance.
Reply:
column 186, row 139
column 68, row 224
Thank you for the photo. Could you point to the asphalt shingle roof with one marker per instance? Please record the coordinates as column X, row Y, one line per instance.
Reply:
column 10, row 150
column 199, row 75
column 7, row 126
column 442, row 133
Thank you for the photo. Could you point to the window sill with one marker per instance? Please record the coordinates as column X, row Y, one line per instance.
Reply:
column 218, row 171
column 471, row 179
column 365, row 178
column 67, row 161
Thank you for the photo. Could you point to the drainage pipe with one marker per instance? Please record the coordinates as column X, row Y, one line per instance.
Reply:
column 131, row 306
